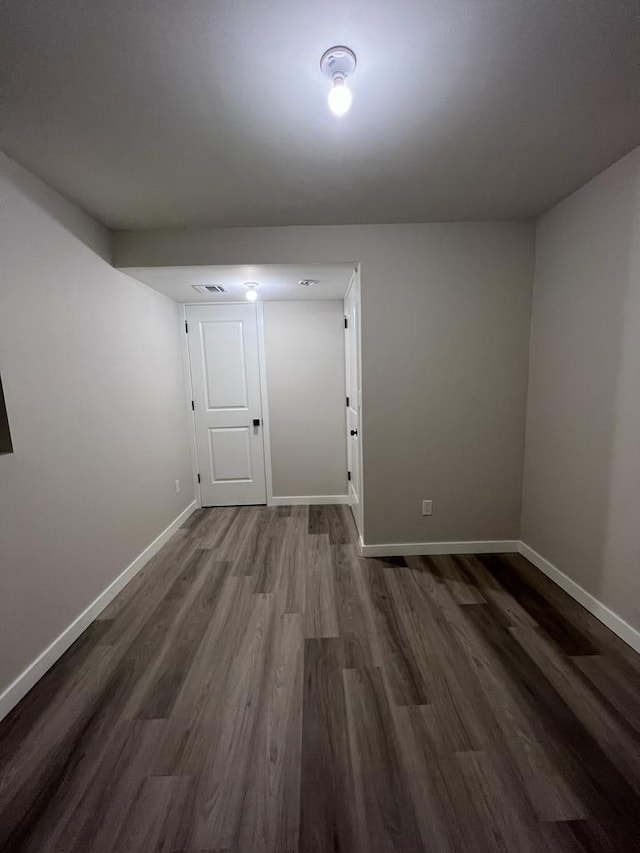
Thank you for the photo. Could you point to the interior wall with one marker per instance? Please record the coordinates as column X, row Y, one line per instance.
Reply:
column 445, row 331
column 304, row 349
column 92, row 375
column 582, row 470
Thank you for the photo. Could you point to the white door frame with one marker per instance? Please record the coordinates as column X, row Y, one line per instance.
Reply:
column 355, row 285
column 262, row 370
column 186, row 362
column 266, row 434
column 262, row 367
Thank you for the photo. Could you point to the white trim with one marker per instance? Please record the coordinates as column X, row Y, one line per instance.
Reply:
column 603, row 613
column 10, row 697
column 266, row 433
column 309, row 499
column 401, row 549
column 351, row 284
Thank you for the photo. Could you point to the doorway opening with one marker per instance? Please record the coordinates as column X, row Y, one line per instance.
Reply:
column 273, row 384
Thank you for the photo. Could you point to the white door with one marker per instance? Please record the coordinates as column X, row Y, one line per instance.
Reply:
column 225, row 375
column 352, row 361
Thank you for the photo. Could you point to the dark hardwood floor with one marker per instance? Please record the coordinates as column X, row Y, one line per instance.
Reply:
column 260, row 687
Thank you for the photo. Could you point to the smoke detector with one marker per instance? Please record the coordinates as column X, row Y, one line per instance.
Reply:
column 210, row 288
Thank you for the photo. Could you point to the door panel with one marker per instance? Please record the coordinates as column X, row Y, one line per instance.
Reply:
column 230, row 451
column 224, row 365
column 223, row 352
column 352, row 361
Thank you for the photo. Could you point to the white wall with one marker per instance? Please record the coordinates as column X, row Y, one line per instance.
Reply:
column 582, row 473
column 304, row 348
column 445, row 330
column 92, row 374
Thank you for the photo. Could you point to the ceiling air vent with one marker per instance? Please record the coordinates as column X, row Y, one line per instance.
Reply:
column 210, row 288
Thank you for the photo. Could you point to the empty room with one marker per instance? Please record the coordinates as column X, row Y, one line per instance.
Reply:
column 319, row 426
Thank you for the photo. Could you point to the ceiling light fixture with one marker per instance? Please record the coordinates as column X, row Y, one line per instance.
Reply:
column 252, row 290
column 338, row 63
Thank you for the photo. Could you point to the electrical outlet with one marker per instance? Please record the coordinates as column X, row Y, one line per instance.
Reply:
column 427, row 507
column 177, row 485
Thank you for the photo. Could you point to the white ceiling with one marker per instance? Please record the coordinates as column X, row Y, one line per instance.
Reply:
column 277, row 283
column 213, row 112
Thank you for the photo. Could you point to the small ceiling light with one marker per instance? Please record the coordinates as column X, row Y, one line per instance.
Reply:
column 338, row 63
column 308, row 282
column 252, row 290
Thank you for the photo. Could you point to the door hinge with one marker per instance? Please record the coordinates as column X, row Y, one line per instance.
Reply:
column 186, row 327
column 347, row 402
column 346, row 323
column 348, row 475
column 198, row 477
column 193, row 406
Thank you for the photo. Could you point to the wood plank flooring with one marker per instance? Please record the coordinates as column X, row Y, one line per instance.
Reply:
column 260, row 687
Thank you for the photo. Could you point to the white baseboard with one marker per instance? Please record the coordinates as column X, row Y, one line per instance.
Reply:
column 309, row 499
column 402, row 549
column 604, row 614
column 616, row 623
column 10, row 697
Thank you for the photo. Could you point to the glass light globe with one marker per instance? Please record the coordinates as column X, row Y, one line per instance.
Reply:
column 252, row 294
column 340, row 97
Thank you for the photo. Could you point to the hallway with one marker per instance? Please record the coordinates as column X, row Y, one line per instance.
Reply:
column 260, row 687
